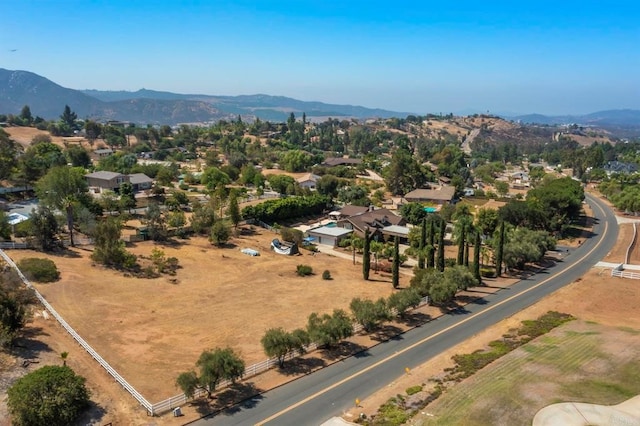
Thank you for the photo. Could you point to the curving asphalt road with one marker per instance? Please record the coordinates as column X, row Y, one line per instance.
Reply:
column 313, row 399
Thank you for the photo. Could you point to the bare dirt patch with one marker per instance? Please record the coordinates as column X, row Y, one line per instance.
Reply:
column 152, row 329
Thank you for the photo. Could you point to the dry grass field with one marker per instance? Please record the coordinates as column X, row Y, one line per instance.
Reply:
column 149, row 330
column 152, row 329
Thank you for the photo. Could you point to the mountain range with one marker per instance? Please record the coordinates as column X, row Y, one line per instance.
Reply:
column 47, row 100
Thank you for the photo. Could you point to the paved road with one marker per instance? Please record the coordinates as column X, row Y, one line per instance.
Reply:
column 313, row 399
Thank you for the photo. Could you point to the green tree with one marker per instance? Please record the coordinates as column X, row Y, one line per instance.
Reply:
column 109, row 248
column 78, row 156
column 369, row 314
column 402, row 300
column 502, row 188
column 220, row 233
column 127, row 197
column 280, row 183
column 156, row 223
column 234, row 210
column 431, row 252
column 25, row 115
column 500, row 250
column 423, row 244
column 8, row 155
column 487, row 220
column 366, row 255
column 328, row 185
column 328, row 330
column 440, row 260
column 403, row 173
column 278, row 343
column 477, row 247
column 51, row 395
column 413, row 213
column 61, row 188
column 395, row 267
column 214, row 365
column 44, row 228
column 203, row 217
column 5, row 228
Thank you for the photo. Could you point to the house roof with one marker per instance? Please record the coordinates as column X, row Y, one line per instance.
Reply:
column 377, row 219
column 401, row 231
column 350, row 210
column 331, row 231
column 444, row 193
column 308, row 177
column 338, row 161
column 138, row 178
column 103, row 174
column 104, row 151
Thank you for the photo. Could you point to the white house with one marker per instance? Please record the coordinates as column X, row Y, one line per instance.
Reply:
column 308, row 180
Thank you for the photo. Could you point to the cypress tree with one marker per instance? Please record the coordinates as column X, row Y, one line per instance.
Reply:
column 431, row 254
column 461, row 242
column 443, row 229
column 395, row 269
column 476, row 258
column 423, row 243
column 466, row 252
column 366, row 256
column 500, row 252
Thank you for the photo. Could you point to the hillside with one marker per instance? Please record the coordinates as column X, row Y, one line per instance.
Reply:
column 47, row 100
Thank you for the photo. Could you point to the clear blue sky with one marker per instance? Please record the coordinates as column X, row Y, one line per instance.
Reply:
column 419, row 56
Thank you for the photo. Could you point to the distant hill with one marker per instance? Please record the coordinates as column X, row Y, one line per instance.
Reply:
column 47, row 99
column 622, row 122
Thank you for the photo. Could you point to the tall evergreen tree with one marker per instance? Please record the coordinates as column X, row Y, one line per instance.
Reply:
column 233, row 209
column 395, row 268
column 466, row 252
column 366, row 256
column 423, row 243
column 476, row 257
column 443, row 229
column 500, row 252
column 431, row 254
column 461, row 242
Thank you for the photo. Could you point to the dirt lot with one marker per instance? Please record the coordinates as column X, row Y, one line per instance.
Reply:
column 150, row 330
column 221, row 291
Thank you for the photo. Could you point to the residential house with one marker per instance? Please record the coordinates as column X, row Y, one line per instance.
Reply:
column 619, row 167
column 308, row 180
column 140, row 182
column 440, row 195
column 103, row 152
column 382, row 224
column 329, row 235
column 104, row 180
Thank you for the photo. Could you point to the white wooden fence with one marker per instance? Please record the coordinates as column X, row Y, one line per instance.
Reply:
column 252, row 370
column 627, row 258
column 177, row 400
column 146, row 404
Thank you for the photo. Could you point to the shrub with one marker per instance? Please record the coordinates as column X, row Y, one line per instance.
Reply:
column 292, row 235
column 413, row 390
column 326, row 275
column 51, row 395
column 304, row 270
column 40, row 270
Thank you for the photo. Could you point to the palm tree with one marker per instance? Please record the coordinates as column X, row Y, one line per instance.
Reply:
column 64, row 356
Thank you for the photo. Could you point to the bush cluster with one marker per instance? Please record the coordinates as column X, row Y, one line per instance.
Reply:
column 40, row 270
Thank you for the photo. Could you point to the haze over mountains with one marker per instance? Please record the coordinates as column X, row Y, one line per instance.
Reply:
column 47, row 99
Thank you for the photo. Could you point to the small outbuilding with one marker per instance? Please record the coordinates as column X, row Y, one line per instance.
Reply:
column 329, row 235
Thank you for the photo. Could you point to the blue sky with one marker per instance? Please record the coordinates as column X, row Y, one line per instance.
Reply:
column 418, row 56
